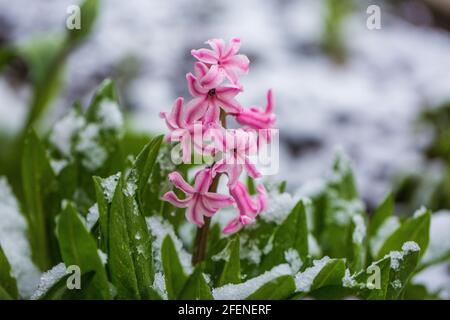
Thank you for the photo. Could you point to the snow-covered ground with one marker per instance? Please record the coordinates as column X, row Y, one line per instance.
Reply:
column 367, row 106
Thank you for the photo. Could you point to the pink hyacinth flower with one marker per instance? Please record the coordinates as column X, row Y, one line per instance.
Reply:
column 236, row 147
column 210, row 95
column 183, row 131
column 249, row 207
column 257, row 119
column 198, row 201
column 225, row 57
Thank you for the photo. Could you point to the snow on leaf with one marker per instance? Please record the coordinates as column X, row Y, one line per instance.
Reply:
column 92, row 216
column 384, row 231
column 109, row 186
column 294, row 260
column 360, row 229
column 94, row 155
column 64, row 131
column 48, row 279
column 159, row 285
column 305, row 279
column 243, row 290
column 110, row 115
column 13, row 239
column 159, row 229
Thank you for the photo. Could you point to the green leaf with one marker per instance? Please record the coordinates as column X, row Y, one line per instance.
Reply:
column 344, row 181
column 7, row 281
column 105, row 91
column 4, row 295
column 88, row 15
column 357, row 243
column 330, row 275
column 282, row 187
column 144, row 164
column 130, row 259
column 291, row 234
column 173, row 270
column 44, row 57
column 366, row 279
column 277, row 289
column 78, row 248
column 103, row 211
column 251, row 185
column 400, row 276
column 60, row 291
column 414, row 229
column 384, row 211
column 196, row 287
column 231, row 272
column 41, row 202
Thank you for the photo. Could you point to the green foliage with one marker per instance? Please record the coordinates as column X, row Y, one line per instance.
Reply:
column 79, row 248
column 292, row 233
column 130, row 257
column 41, row 201
column 8, row 285
column 413, row 229
column 173, row 270
column 196, row 287
column 231, row 272
column 102, row 213
column 278, row 289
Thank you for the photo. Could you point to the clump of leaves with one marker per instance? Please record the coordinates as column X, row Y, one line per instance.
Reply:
column 89, row 204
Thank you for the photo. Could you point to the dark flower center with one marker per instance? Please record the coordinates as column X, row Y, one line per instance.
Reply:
column 212, row 92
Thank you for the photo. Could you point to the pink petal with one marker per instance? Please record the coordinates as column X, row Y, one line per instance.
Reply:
column 165, row 116
column 194, row 87
column 232, row 49
column 200, row 69
column 269, row 106
column 207, row 209
column 173, row 199
column 229, row 105
column 238, row 62
column 228, row 92
column 212, row 114
column 218, row 46
column 213, row 78
column 232, row 74
column 180, row 183
column 232, row 226
column 194, row 213
column 195, row 109
column 251, row 170
column 205, row 55
column 177, row 113
column 234, row 172
column 246, row 219
column 203, row 180
column 243, row 200
column 217, row 200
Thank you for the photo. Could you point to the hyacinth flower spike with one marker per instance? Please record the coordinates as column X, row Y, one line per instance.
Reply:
column 198, row 201
column 225, row 57
column 210, row 95
column 214, row 85
column 249, row 207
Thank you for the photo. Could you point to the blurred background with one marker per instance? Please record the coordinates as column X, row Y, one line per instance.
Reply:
column 380, row 95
